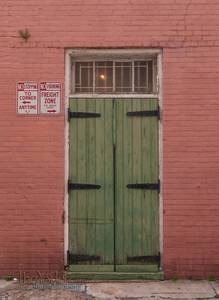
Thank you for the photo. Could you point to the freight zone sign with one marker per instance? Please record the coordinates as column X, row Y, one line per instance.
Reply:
column 27, row 98
column 50, row 98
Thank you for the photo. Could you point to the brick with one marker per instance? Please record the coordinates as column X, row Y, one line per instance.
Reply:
column 32, row 148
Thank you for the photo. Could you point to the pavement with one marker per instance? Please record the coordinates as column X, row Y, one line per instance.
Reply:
column 131, row 290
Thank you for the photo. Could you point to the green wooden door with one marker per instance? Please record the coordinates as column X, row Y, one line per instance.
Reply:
column 114, row 220
column 91, row 210
column 137, row 206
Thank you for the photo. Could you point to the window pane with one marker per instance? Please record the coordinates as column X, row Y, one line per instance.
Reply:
column 104, row 77
column 123, row 77
column 143, row 77
column 84, row 77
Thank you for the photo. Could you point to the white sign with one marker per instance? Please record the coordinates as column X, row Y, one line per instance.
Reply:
column 27, row 98
column 50, row 97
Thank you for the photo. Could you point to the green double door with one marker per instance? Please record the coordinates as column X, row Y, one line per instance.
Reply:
column 113, row 185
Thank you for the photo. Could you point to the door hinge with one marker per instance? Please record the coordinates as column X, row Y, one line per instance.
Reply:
column 83, row 186
column 81, row 114
column 145, row 113
column 79, row 258
column 145, row 186
column 145, row 259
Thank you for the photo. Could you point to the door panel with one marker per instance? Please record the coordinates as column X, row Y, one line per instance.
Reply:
column 91, row 211
column 137, row 210
column 114, row 227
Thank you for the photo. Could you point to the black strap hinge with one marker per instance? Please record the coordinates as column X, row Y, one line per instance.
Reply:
column 145, row 113
column 145, row 186
column 81, row 114
column 145, row 259
column 78, row 258
column 83, row 186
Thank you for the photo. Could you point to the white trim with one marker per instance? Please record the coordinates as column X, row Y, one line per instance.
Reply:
column 71, row 76
column 160, row 89
column 132, row 52
column 104, row 53
column 67, row 92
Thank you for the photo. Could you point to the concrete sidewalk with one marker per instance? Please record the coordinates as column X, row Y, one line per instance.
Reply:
column 156, row 290
column 182, row 289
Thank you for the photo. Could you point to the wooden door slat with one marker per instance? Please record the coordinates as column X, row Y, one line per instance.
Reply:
column 91, row 212
column 137, row 210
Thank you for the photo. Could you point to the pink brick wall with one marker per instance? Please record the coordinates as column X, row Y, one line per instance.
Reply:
column 32, row 167
column 32, row 148
column 191, row 161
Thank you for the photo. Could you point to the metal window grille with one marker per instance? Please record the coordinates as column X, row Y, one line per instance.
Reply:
column 109, row 76
column 84, row 77
column 123, row 75
column 104, row 77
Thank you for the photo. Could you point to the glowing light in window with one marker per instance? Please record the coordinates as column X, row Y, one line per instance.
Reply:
column 102, row 76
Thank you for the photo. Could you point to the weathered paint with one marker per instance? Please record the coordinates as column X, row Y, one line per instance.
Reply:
column 91, row 212
column 137, row 210
column 32, row 152
column 113, row 224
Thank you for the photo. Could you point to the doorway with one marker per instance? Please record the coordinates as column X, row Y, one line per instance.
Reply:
column 113, row 184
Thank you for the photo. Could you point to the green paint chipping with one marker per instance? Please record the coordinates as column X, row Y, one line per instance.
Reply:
column 114, row 223
column 91, row 223
column 137, row 210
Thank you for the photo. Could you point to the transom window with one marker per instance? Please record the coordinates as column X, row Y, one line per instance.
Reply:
column 115, row 76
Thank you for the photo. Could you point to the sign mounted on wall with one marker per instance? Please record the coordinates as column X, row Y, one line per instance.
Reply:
column 27, row 98
column 50, row 98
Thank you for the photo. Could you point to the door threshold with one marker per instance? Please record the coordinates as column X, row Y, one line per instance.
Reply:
column 114, row 276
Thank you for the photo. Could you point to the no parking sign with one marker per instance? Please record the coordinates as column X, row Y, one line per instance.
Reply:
column 27, row 98
column 50, row 98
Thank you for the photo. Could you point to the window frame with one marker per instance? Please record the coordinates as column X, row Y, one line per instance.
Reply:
column 115, row 55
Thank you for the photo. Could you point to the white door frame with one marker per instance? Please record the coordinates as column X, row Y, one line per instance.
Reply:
column 92, row 54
